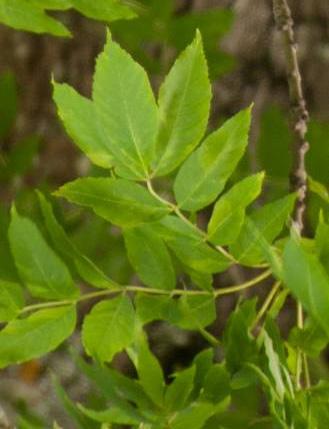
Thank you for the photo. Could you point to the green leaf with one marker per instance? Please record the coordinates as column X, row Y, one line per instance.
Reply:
column 312, row 339
column 216, row 384
column 213, row 24
column 229, row 211
column 44, row 273
column 204, row 174
column 189, row 246
column 155, row 307
column 179, row 390
column 26, row 339
column 11, row 300
column 81, row 123
column 8, row 270
column 112, row 415
column 149, row 371
column 308, row 281
column 322, row 242
column 203, row 361
column 193, row 416
column 21, row 156
column 82, row 421
column 24, row 15
column 195, row 312
column 119, row 201
column 120, row 390
column 127, row 111
column 109, row 328
column 104, row 10
column 184, row 103
column 274, row 365
column 187, row 312
column 239, row 345
column 150, row 258
column 85, row 267
column 8, row 102
column 318, row 189
column 268, row 221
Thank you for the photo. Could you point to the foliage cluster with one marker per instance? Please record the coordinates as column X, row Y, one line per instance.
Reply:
column 157, row 169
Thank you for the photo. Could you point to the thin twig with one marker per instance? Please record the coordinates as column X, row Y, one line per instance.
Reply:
column 300, row 116
column 152, row 291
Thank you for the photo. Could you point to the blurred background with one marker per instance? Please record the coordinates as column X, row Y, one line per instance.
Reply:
column 246, row 64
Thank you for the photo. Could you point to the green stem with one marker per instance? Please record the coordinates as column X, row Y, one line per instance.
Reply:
column 152, row 291
column 177, row 211
column 266, row 303
column 209, row 337
column 299, row 363
column 243, row 286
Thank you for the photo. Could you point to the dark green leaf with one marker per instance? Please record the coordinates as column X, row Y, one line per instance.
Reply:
column 180, row 389
column 308, row 281
column 40, row 268
column 85, row 267
column 149, row 256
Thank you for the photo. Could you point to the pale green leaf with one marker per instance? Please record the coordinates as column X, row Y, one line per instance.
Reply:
column 268, row 221
column 184, row 103
column 43, row 272
column 274, row 365
column 24, row 15
column 228, row 214
column 150, row 258
column 25, row 339
column 85, row 267
column 307, row 280
column 79, row 118
column 11, row 300
column 109, row 328
column 204, row 174
column 119, row 201
column 127, row 111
